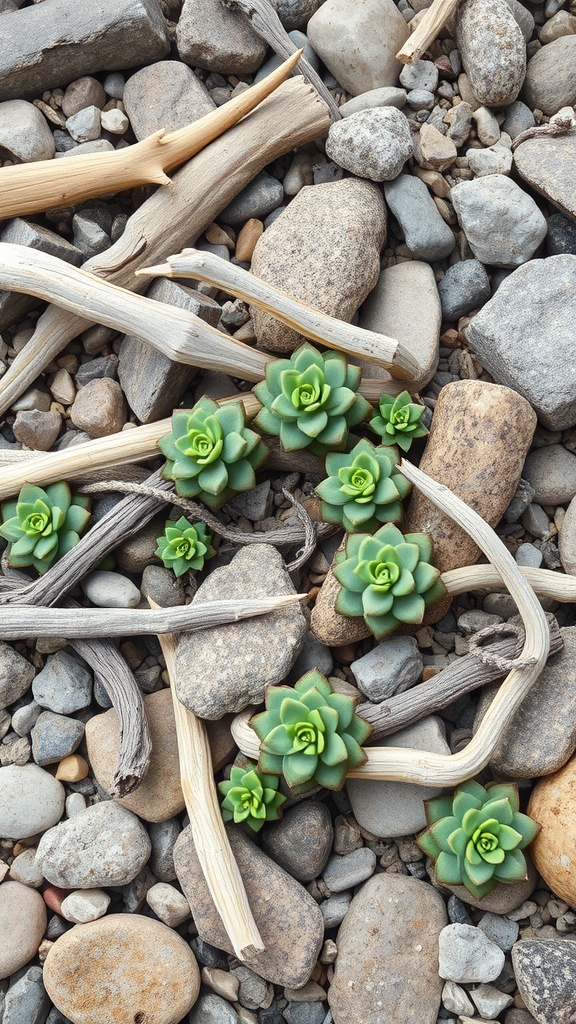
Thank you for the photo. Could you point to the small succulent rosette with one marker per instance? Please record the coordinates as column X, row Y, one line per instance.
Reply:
column 183, row 546
column 250, row 798
column 399, row 420
column 363, row 489
column 309, row 734
column 476, row 836
column 387, row 578
column 210, row 452
column 310, row 400
column 43, row 525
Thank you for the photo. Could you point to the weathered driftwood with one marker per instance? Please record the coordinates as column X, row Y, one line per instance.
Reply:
column 30, row 188
column 426, row 31
column 174, row 216
column 216, row 859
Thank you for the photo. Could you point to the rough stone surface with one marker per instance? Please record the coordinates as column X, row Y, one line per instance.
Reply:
column 64, row 685
column 547, row 165
column 133, row 969
column 502, row 223
column 495, row 160
column 16, row 674
column 99, row 408
column 32, row 801
column 104, row 845
column 83, row 92
column 504, row 898
column 465, row 286
column 551, row 471
column 36, row 429
column 545, row 970
column 293, row 13
column 524, row 337
column 387, row 96
column 550, row 83
column 499, row 930
column 212, row 1009
column 210, row 36
column 85, row 905
column 518, row 118
column 359, row 43
column 223, row 669
column 372, row 144
column 391, row 667
column 301, row 842
column 427, row 235
column 165, row 95
column 390, row 809
column 552, row 806
column 344, row 872
column 257, row 199
column 24, row 132
column 26, row 999
column 387, row 965
column 567, row 540
column 437, row 151
column 561, row 237
column 336, row 230
column 281, row 906
column 23, row 918
column 492, row 49
column 466, row 954
column 54, row 737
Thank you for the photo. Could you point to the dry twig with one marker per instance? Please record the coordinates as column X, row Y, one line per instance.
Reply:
column 425, row 33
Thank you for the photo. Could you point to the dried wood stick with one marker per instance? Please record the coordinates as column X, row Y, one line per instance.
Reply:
column 217, row 861
column 426, row 31
column 421, row 766
column 30, row 188
column 327, row 330
column 174, row 216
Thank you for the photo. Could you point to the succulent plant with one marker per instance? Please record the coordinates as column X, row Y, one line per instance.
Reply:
column 310, row 400
column 387, row 578
column 211, row 453
column 42, row 525
column 476, row 836
column 399, row 420
column 309, row 734
column 362, row 489
column 182, row 546
column 250, row 797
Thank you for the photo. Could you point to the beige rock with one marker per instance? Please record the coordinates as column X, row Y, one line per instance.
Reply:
column 567, row 539
column 328, row 626
column 550, row 82
column 99, row 408
column 552, row 805
column 133, row 969
column 493, row 51
column 325, row 250
column 437, row 150
column 547, row 164
column 85, row 905
column 23, row 919
column 561, row 24
column 73, row 768
column 168, row 904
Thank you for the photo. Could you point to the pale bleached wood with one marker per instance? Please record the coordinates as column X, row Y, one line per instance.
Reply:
column 216, row 859
column 426, row 31
column 174, row 216
column 44, row 184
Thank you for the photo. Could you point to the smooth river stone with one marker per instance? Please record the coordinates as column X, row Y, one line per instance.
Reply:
column 387, row 965
column 289, row 920
column 493, row 50
column 550, row 80
column 553, row 806
column 23, row 918
column 122, row 969
column 324, row 249
column 32, row 801
column 547, row 164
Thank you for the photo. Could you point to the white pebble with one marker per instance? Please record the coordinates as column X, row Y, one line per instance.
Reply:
column 114, row 121
column 75, row 804
column 168, row 904
column 110, row 590
column 85, row 905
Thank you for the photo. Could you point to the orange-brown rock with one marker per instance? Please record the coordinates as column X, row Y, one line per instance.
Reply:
column 553, row 805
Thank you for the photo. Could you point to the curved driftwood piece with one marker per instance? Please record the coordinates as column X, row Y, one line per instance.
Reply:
column 30, row 188
column 174, row 216
column 426, row 31
column 216, row 859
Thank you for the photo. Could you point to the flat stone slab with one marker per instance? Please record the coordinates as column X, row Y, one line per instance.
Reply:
column 547, row 164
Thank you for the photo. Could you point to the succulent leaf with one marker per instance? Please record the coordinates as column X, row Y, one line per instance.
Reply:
column 363, row 488
column 399, row 420
column 250, row 797
column 182, row 546
column 43, row 525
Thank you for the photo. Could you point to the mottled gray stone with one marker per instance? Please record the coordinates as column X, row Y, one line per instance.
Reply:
column 427, row 235
column 64, row 684
column 518, row 118
column 211, row 36
column 24, row 718
column 499, row 930
column 89, row 236
column 255, row 504
column 372, row 144
column 524, row 337
column 301, row 842
column 387, row 96
column 163, row 835
column 293, row 13
column 212, row 1009
column 345, row 872
column 27, row 1001
column 313, row 655
column 335, row 908
column 547, row 164
column 523, row 17
column 552, row 473
column 550, row 82
column 423, row 74
column 561, row 237
column 84, row 126
column 466, row 954
column 165, row 95
column 54, row 737
column 36, row 429
column 258, row 199
column 391, row 667
column 503, row 224
column 545, row 971
column 24, row 132
column 528, row 555
column 492, row 48
column 227, row 667
column 465, row 286
column 13, row 305
column 16, row 675
column 495, row 160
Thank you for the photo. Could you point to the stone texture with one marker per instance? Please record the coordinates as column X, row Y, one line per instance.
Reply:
column 260, row 197
column 293, row 13
column 552, row 806
column 301, row 842
column 42, row 47
column 466, row 954
column 547, row 165
column 281, row 906
column 32, row 801
column 16, row 675
column 344, row 872
column 24, row 132
column 503, row 224
column 15, row 305
column 64, row 685
column 23, row 918
column 210, row 36
column 99, row 408
column 335, row 231
column 387, row 965
column 36, row 429
column 465, row 286
column 495, row 160
column 390, row 667
column 85, row 905
column 359, row 43
column 83, row 92
column 550, row 83
column 133, row 969
column 551, row 471
column 165, row 95
column 545, row 970
column 437, row 151
column 387, row 96
column 567, row 539
column 225, row 668
column 427, row 235
column 524, row 337
column 492, row 49
column 373, row 144
column 54, row 737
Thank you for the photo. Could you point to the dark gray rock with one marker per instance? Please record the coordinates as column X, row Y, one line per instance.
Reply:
column 257, row 199
column 163, row 835
column 16, row 675
column 13, row 305
column 493, row 51
column 546, row 975
column 165, row 95
column 551, row 471
column 273, row 62
column 335, row 908
column 54, row 737
column 301, row 842
column 304, row 1013
column 561, row 237
column 210, row 36
column 294, row 13
column 27, row 1001
column 313, row 655
column 550, row 81
column 212, row 1009
column 46, row 45
column 427, row 236
column 465, row 286
column 36, row 429
column 163, row 586
column 502, row 223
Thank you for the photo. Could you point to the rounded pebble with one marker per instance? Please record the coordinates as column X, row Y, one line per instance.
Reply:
column 23, row 918
column 110, row 590
column 32, row 801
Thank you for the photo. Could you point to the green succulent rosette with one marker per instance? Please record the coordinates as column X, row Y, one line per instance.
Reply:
column 310, row 400
column 43, row 525
column 250, row 797
column 387, row 578
column 399, row 420
column 309, row 734
column 182, row 546
column 363, row 490
column 210, row 452
column 476, row 836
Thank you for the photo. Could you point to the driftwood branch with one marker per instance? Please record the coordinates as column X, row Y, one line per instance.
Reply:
column 30, row 188
column 217, row 861
column 425, row 33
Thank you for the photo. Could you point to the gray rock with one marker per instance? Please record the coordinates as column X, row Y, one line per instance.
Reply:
column 36, row 429
column 210, row 36
column 281, row 906
column 423, row 74
column 114, row 85
column 335, row 231
column 302, row 841
column 89, row 237
column 391, row 667
column 13, row 305
column 545, row 163
column 27, row 1001
column 98, row 146
column 273, row 62
column 493, row 51
column 520, row 502
column 163, row 835
column 110, row 590
column 495, row 160
column 258, row 199
column 16, row 675
column 83, row 92
column 32, row 801
column 24, row 718
column 104, row 845
column 54, row 737
column 465, row 286
column 551, row 471
column 518, row 119
column 387, row 964
column 212, row 1009
column 372, row 144
column 466, row 954
column 85, row 125
column 420, row 99
column 490, row 1001
column 536, row 522
column 335, row 908
column 41, row 47
column 523, row 17
column 387, row 96
column 550, row 83
column 527, row 554
column 455, row 999
column 524, row 337
column 255, row 504
column 293, row 13
column 545, row 971
column 165, row 95
column 64, row 684
column 389, row 809
column 161, row 584
column 24, row 132
column 502, row 223
column 487, row 126
column 427, row 235
column 345, row 872
column 499, row 930
column 313, row 655
column 304, row 1013
column 561, row 237
column 225, row 668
